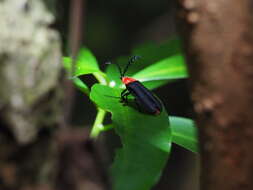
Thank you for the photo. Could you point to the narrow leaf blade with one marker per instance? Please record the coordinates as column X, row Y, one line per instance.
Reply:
column 169, row 68
column 184, row 133
column 86, row 63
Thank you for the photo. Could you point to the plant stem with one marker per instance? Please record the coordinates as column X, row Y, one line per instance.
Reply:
column 98, row 124
column 107, row 127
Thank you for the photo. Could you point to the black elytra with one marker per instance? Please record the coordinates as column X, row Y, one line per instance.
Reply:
column 145, row 99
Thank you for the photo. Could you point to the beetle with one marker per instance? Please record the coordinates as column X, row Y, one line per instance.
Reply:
column 145, row 100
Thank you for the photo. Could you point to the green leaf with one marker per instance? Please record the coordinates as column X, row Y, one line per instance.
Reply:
column 145, row 141
column 86, row 63
column 113, row 74
column 80, row 85
column 184, row 133
column 169, row 68
column 77, row 82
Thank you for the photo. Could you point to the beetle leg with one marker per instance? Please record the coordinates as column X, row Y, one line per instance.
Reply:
column 124, row 95
column 123, row 92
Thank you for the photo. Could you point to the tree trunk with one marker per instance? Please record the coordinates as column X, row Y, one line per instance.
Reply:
column 219, row 48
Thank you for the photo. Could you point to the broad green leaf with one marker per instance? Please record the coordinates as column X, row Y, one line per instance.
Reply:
column 86, row 63
column 113, row 75
column 169, row 68
column 81, row 85
column 184, row 133
column 145, row 141
column 77, row 82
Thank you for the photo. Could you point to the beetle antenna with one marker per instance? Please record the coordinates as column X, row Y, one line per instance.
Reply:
column 130, row 61
column 119, row 68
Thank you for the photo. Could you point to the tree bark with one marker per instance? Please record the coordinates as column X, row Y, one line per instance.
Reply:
column 219, row 48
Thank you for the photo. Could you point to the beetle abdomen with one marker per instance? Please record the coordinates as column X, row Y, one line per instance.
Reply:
column 145, row 98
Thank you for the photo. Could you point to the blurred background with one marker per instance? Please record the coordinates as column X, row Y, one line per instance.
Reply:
column 45, row 122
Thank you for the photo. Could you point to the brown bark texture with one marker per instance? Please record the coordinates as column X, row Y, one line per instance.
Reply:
column 219, row 47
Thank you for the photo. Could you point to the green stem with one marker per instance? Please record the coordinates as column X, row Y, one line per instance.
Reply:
column 98, row 124
column 107, row 127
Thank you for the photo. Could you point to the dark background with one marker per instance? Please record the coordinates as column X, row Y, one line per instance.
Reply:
column 111, row 29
